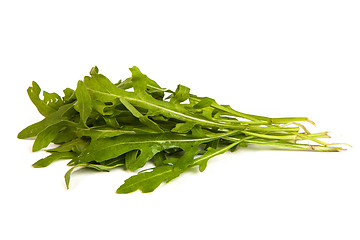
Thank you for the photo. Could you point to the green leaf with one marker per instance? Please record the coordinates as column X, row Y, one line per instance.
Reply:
column 143, row 119
column 53, row 100
column 131, row 156
column 52, row 119
column 152, row 87
column 148, row 181
column 44, row 162
column 65, row 135
column 100, row 88
column 69, row 146
column 112, row 122
column 46, row 136
column 103, row 108
column 210, row 153
column 102, row 132
column 50, row 104
column 181, row 94
column 148, row 144
column 83, row 101
column 159, row 158
column 103, row 167
column 140, row 82
column 69, row 95
column 99, row 167
column 183, row 127
column 187, row 159
column 67, row 177
column 204, row 102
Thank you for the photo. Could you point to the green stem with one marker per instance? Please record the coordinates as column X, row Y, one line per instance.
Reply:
column 295, row 146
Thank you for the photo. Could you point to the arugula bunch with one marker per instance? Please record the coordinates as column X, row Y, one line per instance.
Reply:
column 101, row 125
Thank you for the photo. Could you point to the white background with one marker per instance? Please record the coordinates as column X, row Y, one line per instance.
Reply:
column 273, row 58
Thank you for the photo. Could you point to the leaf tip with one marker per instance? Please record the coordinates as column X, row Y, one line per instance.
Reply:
column 94, row 70
column 67, row 177
column 122, row 190
column 20, row 135
column 35, row 148
column 35, row 165
column 202, row 166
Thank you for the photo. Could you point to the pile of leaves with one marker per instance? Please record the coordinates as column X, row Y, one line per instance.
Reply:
column 102, row 126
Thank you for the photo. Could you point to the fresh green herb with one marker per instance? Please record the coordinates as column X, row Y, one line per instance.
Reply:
column 101, row 125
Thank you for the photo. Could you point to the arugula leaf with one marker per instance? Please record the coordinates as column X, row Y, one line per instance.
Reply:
column 69, row 95
column 143, row 119
column 83, row 101
column 183, row 127
column 148, row 181
column 212, row 152
column 46, row 136
column 181, row 94
column 44, row 162
column 51, row 101
column 102, row 132
column 101, row 88
column 66, row 134
column 52, row 119
column 69, row 146
column 105, row 166
column 148, row 144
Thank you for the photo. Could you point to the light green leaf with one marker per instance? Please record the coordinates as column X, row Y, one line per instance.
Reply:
column 102, row 132
column 105, row 166
column 65, row 135
column 67, row 177
column 69, row 146
column 44, row 162
column 210, row 153
column 148, row 181
column 50, row 104
column 148, row 144
column 83, row 101
column 204, row 102
column 69, row 95
column 181, row 94
column 51, row 119
column 143, row 119
column 46, row 136
column 100, row 88
column 183, row 127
